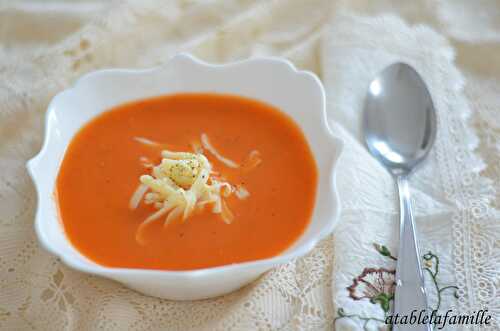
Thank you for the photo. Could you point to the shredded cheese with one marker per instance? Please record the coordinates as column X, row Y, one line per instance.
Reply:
column 226, row 214
column 241, row 192
column 206, row 145
column 177, row 185
column 146, row 141
column 252, row 161
column 146, row 163
column 197, row 149
column 185, row 182
column 137, row 196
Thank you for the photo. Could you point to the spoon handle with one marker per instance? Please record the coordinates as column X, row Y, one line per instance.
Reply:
column 410, row 291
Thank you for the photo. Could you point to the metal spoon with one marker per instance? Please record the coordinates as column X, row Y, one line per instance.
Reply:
column 400, row 126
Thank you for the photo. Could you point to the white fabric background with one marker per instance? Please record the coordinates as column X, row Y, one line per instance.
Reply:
column 454, row 44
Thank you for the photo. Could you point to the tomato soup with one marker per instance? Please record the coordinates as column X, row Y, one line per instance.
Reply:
column 103, row 163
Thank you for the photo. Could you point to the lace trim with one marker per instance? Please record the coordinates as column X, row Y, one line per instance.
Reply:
column 475, row 257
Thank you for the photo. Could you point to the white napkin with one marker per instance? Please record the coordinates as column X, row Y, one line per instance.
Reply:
column 445, row 190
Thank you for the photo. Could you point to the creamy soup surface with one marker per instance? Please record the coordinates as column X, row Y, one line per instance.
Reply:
column 104, row 161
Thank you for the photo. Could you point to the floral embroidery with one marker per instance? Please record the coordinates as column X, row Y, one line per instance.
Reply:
column 374, row 284
column 384, row 251
column 431, row 266
column 377, row 285
column 57, row 292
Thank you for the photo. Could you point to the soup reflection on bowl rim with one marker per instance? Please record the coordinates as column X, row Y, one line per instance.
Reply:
column 271, row 80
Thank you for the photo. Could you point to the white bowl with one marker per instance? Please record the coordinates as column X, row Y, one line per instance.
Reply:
column 274, row 81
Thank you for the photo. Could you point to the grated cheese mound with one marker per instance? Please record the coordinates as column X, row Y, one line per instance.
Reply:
column 184, row 182
column 179, row 185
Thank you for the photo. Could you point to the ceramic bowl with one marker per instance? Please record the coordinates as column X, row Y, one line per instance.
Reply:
column 272, row 80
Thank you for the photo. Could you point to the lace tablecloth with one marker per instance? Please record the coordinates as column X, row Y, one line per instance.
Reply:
column 454, row 44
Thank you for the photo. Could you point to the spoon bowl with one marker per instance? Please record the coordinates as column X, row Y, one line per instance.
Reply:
column 399, row 119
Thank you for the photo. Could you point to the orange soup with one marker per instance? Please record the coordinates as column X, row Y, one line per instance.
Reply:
column 258, row 151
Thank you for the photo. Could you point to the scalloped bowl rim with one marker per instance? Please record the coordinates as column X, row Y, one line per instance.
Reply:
column 266, row 263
